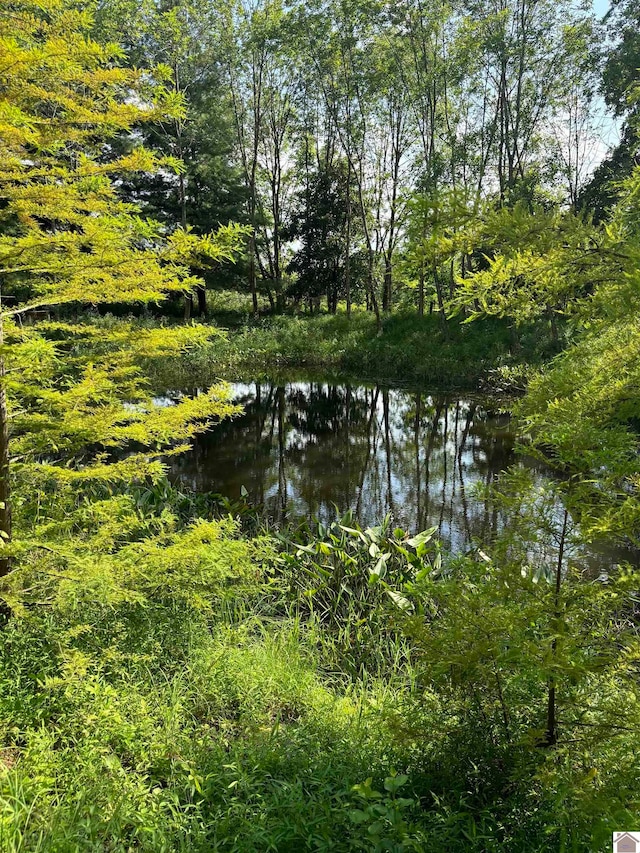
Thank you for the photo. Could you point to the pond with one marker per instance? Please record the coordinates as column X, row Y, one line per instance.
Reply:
column 301, row 448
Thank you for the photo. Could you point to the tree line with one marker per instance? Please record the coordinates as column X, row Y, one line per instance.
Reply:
column 358, row 138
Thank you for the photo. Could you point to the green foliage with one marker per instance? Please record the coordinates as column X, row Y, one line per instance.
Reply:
column 410, row 349
column 536, row 263
column 84, row 422
column 170, row 684
column 437, row 223
column 585, row 406
column 347, row 582
column 318, row 223
column 184, row 39
column 582, row 410
column 73, row 398
column 491, row 635
column 67, row 237
column 383, row 817
column 135, row 713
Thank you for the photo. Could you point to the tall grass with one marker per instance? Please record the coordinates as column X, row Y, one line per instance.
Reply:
column 317, row 713
column 409, row 349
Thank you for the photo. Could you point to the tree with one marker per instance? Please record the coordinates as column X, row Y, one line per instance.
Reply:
column 184, row 37
column 619, row 80
column 341, row 50
column 66, row 239
column 260, row 90
column 620, row 74
column 319, row 224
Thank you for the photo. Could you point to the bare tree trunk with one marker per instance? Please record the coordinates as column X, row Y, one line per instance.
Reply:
column 252, row 271
column 421, row 292
column 347, row 247
column 502, row 144
column 188, row 297
column 551, row 733
column 201, row 293
column 388, row 283
column 5, row 488
column 397, row 151
column 372, row 292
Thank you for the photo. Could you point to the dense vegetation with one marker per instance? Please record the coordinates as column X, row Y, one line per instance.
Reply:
column 173, row 674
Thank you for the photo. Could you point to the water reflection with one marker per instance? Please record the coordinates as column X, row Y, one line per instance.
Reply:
column 301, row 448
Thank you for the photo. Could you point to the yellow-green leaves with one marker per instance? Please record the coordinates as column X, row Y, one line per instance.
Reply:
column 530, row 263
column 65, row 235
column 81, row 418
column 197, row 566
column 81, row 386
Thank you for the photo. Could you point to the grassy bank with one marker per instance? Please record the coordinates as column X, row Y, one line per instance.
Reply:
column 408, row 349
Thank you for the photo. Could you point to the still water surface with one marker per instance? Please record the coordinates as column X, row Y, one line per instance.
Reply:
column 302, row 448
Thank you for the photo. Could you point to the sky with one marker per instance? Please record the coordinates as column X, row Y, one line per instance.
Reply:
column 600, row 7
column 610, row 127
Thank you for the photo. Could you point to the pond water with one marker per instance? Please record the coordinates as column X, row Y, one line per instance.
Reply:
column 300, row 449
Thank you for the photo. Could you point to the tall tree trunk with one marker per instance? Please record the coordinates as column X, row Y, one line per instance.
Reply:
column 504, row 127
column 397, row 151
column 277, row 272
column 201, row 293
column 188, row 297
column 347, row 246
column 372, row 292
column 5, row 488
column 551, row 733
column 388, row 283
column 421, row 292
column 252, row 270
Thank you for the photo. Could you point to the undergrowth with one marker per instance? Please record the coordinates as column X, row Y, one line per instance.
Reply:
column 185, row 688
column 409, row 348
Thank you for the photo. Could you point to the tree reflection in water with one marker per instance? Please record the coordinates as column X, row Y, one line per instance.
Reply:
column 301, row 448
